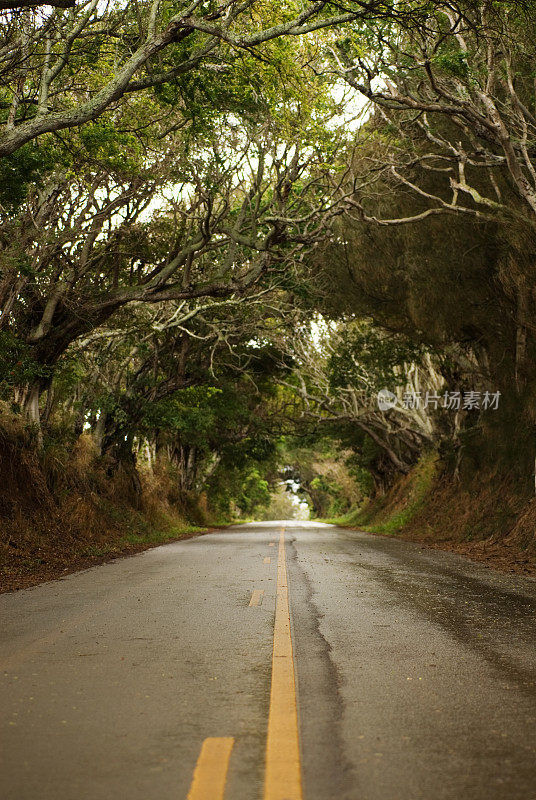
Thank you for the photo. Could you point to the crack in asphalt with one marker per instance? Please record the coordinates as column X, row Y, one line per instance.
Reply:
column 319, row 695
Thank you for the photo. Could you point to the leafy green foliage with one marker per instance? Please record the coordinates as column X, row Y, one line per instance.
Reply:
column 116, row 150
column 453, row 62
column 27, row 167
column 17, row 366
column 370, row 358
column 255, row 493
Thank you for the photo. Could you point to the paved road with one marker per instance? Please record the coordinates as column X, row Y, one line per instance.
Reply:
column 415, row 672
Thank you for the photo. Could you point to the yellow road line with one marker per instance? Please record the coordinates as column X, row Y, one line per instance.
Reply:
column 267, row 560
column 256, row 597
column 208, row 782
column 283, row 766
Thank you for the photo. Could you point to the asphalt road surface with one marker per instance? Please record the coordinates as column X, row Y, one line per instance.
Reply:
column 405, row 673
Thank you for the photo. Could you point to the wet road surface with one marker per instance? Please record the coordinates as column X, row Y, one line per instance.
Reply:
column 414, row 674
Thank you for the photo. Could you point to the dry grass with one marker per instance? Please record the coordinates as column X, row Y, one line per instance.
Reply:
column 60, row 510
column 488, row 520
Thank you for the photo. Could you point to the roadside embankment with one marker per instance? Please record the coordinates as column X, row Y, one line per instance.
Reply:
column 63, row 509
column 486, row 519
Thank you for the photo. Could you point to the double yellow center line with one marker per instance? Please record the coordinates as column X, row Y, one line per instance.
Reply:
column 283, row 764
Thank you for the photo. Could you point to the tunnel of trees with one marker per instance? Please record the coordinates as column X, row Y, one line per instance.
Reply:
column 226, row 226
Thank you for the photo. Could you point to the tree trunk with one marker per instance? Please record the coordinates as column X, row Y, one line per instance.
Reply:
column 99, row 431
column 521, row 339
column 31, row 409
column 397, row 462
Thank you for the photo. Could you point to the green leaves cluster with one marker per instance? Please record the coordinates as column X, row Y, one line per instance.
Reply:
column 17, row 365
column 368, row 357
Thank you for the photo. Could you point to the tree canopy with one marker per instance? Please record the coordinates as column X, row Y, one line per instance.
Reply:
column 225, row 227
